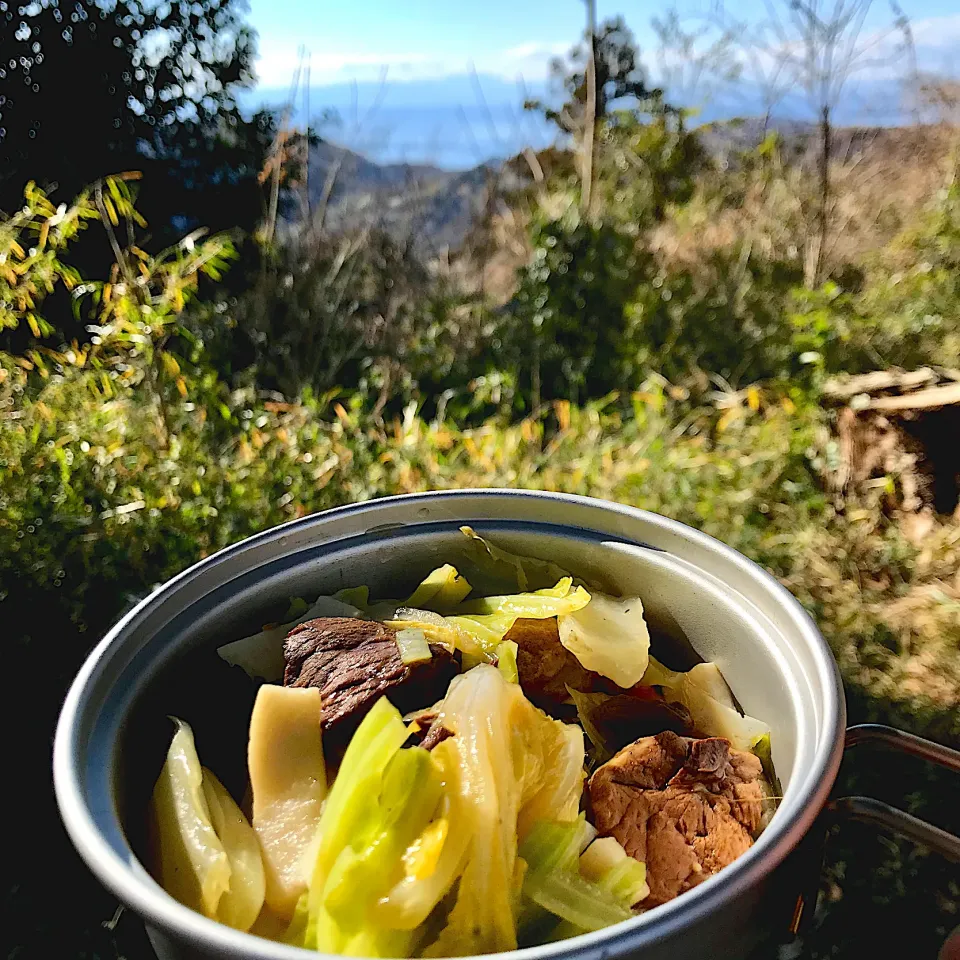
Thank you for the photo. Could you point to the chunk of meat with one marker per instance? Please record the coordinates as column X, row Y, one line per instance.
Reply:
column 687, row 808
column 428, row 730
column 354, row 663
column 622, row 718
column 436, row 734
column 546, row 666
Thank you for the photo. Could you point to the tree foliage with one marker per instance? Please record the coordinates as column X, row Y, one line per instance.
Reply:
column 89, row 88
column 620, row 77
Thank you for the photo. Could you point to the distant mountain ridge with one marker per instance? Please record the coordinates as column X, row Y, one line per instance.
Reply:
column 434, row 208
column 356, row 171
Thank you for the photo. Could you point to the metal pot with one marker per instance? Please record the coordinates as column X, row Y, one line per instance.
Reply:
column 695, row 590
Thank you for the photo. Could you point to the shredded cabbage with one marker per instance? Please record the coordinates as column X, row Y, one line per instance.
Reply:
column 358, row 597
column 442, row 630
column 527, row 573
column 477, row 626
column 442, row 589
column 507, row 661
column 413, row 646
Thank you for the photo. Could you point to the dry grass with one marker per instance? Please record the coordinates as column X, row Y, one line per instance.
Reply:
column 882, row 179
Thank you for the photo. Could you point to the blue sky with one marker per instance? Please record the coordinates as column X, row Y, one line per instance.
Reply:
column 429, row 39
column 430, row 110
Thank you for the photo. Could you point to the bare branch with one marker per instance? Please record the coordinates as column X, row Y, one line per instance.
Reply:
column 590, row 111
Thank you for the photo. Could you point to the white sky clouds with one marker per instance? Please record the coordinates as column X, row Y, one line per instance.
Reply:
column 937, row 42
column 278, row 60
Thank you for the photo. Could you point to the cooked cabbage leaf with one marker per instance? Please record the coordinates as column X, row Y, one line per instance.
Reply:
column 553, row 880
column 704, row 692
column 190, row 861
column 440, row 590
column 358, row 597
column 507, row 765
column 507, row 660
column 241, row 902
column 527, row 573
column 551, row 768
column 587, row 704
column 351, row 815
column 763, row 749
column 485, row 797
column 608, row 636
column 432, row 862
column 556, row 844
column 205, row 853
column 408, row 798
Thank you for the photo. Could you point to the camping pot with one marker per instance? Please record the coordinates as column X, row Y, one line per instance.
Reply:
column 696, row 591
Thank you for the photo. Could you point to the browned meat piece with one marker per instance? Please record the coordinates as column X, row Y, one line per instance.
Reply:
column 428, row 730
column 546, row 666
column 355, row 662
column 436, row 734
column 687, row 808
column 623, row 718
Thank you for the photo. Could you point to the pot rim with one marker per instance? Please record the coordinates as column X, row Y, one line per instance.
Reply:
column 139, row 892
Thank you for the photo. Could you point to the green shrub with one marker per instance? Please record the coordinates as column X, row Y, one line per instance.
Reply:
column 359, row 309
column 565, row 335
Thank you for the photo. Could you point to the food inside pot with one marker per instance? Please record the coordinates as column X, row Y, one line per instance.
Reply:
column 455, row 773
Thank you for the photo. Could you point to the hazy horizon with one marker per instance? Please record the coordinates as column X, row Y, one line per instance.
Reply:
column 470, row 119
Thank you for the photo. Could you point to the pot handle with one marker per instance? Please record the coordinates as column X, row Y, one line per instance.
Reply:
column 868, row 810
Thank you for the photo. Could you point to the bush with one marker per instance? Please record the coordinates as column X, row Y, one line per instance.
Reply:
column 647, row 164
column 565, row 334
column 358, row 309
